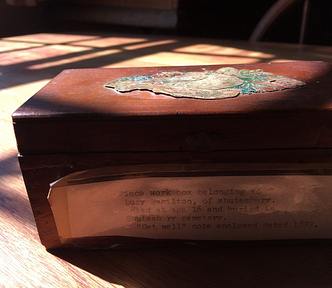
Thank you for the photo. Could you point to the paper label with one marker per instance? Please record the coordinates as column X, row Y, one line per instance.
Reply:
column 202, row 208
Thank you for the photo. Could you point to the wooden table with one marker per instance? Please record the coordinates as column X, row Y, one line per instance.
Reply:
column 28, row 62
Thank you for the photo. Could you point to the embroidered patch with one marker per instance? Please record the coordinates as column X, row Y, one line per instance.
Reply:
column 222, row 83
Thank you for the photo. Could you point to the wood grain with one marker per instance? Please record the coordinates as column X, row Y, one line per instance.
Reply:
column 24, row 262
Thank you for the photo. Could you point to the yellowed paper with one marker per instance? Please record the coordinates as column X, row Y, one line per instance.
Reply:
column 197, row 208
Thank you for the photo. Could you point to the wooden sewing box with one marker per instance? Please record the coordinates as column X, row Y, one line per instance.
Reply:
column 74, row 123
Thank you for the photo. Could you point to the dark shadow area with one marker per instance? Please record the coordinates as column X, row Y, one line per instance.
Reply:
column 9, row 166
column 220, row 19
column 15, row 204
column 287, row 27
column 19, row 20
column 249, row 265
column 234, row 20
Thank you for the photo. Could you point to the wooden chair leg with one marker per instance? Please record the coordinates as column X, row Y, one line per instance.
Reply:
column 270, row 16
column 304, row 20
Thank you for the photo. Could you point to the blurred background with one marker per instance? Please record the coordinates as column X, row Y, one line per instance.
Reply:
column 223, row 19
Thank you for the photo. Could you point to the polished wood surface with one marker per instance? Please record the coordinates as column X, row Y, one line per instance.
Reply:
column 87, row 121
column 28, row 63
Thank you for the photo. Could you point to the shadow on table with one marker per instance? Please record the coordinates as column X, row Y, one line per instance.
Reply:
column 304, row 265
column 38, row 57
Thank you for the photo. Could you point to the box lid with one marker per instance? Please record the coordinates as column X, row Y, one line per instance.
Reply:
column 76, row 113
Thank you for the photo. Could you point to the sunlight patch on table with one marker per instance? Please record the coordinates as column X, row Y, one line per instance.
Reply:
column 150, row 44
column 71, row 60
column 222, row 50
column 51, row 38
column 40, row 53
column 12, row 46
column 178, row 59
column 109, row 42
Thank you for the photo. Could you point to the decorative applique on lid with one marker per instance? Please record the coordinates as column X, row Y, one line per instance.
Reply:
column 222, row 83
